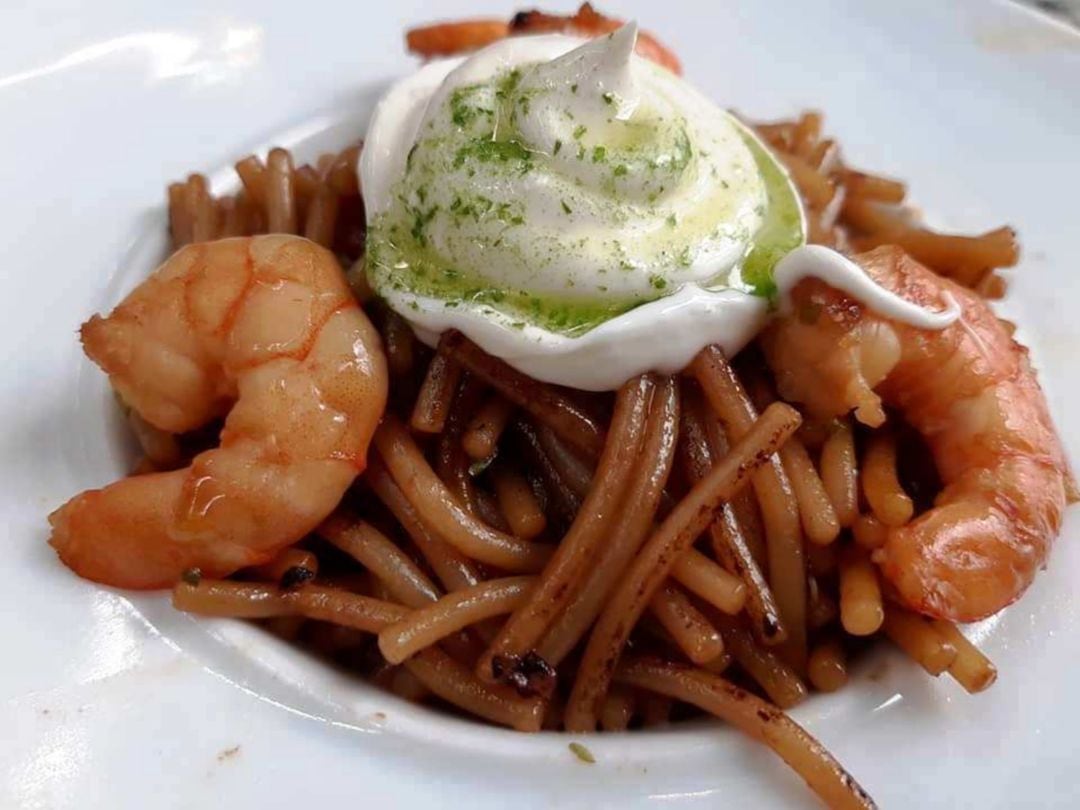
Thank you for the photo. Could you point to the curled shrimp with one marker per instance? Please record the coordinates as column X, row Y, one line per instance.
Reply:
column 972, row 394
column 266, row 330
column 450, row 38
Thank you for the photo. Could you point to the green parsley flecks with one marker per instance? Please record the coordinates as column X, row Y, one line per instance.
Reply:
column 782, row 230
column 518, row 200
column 582, row 753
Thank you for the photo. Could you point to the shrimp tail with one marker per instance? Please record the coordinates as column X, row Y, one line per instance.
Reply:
column 116, row 535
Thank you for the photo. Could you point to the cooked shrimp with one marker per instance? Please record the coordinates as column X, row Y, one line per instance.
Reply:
column 262, row 328
column 970, row 391
column 450, row 38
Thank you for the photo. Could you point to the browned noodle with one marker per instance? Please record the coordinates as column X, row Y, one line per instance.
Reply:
column 567, row 566
column 655, row 560
column 641, row 501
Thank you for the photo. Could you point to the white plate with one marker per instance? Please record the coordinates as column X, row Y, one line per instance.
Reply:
column 114, row 701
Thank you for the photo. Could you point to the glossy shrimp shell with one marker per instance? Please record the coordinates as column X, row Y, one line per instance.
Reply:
column 265, row 330
column 970, row 391
column 452, row 38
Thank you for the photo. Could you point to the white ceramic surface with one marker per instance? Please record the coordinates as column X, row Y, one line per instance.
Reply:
column 114, row 701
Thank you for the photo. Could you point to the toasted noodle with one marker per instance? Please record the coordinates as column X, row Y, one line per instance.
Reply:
column 823, row 609
column 179, row 217
column 518, row 503
column 780, row 135
column 250, row 601
column 861, row 610
column 720, row 664
column 659, row 554
column 253, row 175
column 399, row 343
column 806, row 134
column 869, row 532
column 231, row 215
column 434, row 621
column 819, row 519
column 618, row 709
column 917, row 637
column 993, row 287
column 700, row 575
column 321, row 216
column 816, row 513
column 441, row 511
column 482, row 435
column 962, row 258
column 456, row 684
column 553, row 714
column 200, row 209
column 740, row 531
column 342, row 175
column 839, row 473
column 779, row 509
column 331, row 639
column 277, row 197
column 452, row 463
column 971, row 669
column 778, row 680
column 306, row 183
column 728, row 537
column 575, row 472
column 890, row 504
column 401, row 577
column 578, row 549
column 686, row 625
column 546, row 404
column 561, row 497
column 454, row 570
column 280, row 193
column 753, row 716
column 436, row 394
column 816, row 187
column 634, row 522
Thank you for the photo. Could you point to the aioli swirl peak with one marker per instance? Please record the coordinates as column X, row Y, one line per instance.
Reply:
column 568, row 187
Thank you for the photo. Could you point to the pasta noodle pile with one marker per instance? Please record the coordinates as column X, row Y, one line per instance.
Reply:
column 544, row 558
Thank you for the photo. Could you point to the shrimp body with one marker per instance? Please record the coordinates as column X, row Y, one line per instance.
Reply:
column 971, row 393
column 265, row 330
column 452, row 38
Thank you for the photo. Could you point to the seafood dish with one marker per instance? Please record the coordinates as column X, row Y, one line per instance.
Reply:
column 567, row 400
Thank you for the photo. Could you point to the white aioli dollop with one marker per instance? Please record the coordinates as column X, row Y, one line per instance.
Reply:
column 610, row 86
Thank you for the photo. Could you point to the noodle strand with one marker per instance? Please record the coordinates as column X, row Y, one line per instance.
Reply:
column 654, row 562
